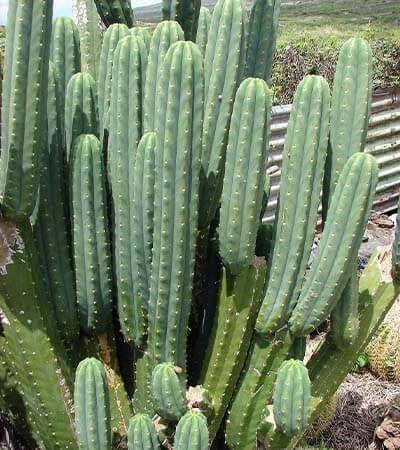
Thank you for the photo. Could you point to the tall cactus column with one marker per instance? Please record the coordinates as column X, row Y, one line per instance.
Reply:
column 178, row 124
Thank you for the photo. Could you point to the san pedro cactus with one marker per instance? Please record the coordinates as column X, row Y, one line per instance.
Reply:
column 396, row 247
column 185, row 12
column 90, row 238
column 24, row 105
column 165, row 35
column 302, row 170
column 142, row 433
column 168, row 389
column 51, row 222
column 178, row 125
column 247, row 153
column 203, row 28
column 192, row 432
column 81, row 114
column 115, row 11
column 125, row 132
column 92, row 408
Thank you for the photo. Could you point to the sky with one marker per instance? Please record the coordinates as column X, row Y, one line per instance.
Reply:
column 62, row 7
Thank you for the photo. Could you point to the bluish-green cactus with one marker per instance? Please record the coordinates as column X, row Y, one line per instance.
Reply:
column 185, row 12
column 90, row 235
column 92, row 407
column 203, row 28
column 168, row 390
column 192, row 432
column 142, row 433
column 24, row 98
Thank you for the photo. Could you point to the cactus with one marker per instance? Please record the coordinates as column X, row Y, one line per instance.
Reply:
column 302, row 171
column 178, row 124
column 396, row 246
column 165, row 35
column 203, row 28
column 92, row 408
column 339, row 244
column 222, row 74
column 125, row 133
column 111, row 38
column 185, row 12
column 50, row 223
column 191, row 432
column 292, row 396
column 115, row 11
column 261, row 39
column 142, row 434
column 90, row 237
column 81, row 115
column 24, row 105
column 168, row 391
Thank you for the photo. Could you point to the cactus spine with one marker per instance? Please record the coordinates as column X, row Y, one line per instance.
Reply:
column 339, row 244
column 192, row 432
column 125, row 133
column 165, row 35
column 142, row 433
column 81, row 115
column 261, row 39
column 50, row 224
column 245, row 169
column 178, row 124
column 222, row 73
column 302, row 171
column 90, row 236
column 25, row 83
column 115, row 11
column 203, row 29
column 92, row 408
column 168, row 391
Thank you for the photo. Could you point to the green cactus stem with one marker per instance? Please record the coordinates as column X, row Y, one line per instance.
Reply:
column 185, row 12
column 238, row 303
column 50, row 221
column 24, row 98
column 30, row 343
column 396, row 246
column 169, row 391
column 261, row 38
column 110, row 41
column 92, row 406
column 203, row 28
column 165, row 34
column 246, row 165
column 125, row 132
column 142, row 433
column 90, row 235
column 81, row 115
column 192, row 432
column 222, row 77
column 302, row 171
column 115, row 11
column 178, row 125
column 340, row 242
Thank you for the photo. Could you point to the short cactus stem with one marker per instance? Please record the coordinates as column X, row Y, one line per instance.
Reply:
column 142, row 433
column 191, row 432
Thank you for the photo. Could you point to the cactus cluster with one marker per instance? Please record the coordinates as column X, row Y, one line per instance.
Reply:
column 133, row 252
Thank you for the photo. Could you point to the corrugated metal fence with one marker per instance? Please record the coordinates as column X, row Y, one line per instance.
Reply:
column 383, row 141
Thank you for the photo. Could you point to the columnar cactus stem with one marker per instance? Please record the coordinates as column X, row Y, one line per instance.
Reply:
column 396, row 246
column 203, row 28
column 222, row 77
column 115, row 11
column 246, row 164
column 24, row 104
column 302, row 171
column 92, row 407
column 50, row 223
column 178, row 124
column 111, row 38
column 165, row 35
column 90, row 234
column 185, row 12
column 168, row 389
column 192, row 432
column 340, row 242
column 261, row 39
column 142, row 433
column 81, row 115
column 125, row 132
column 238, row 304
